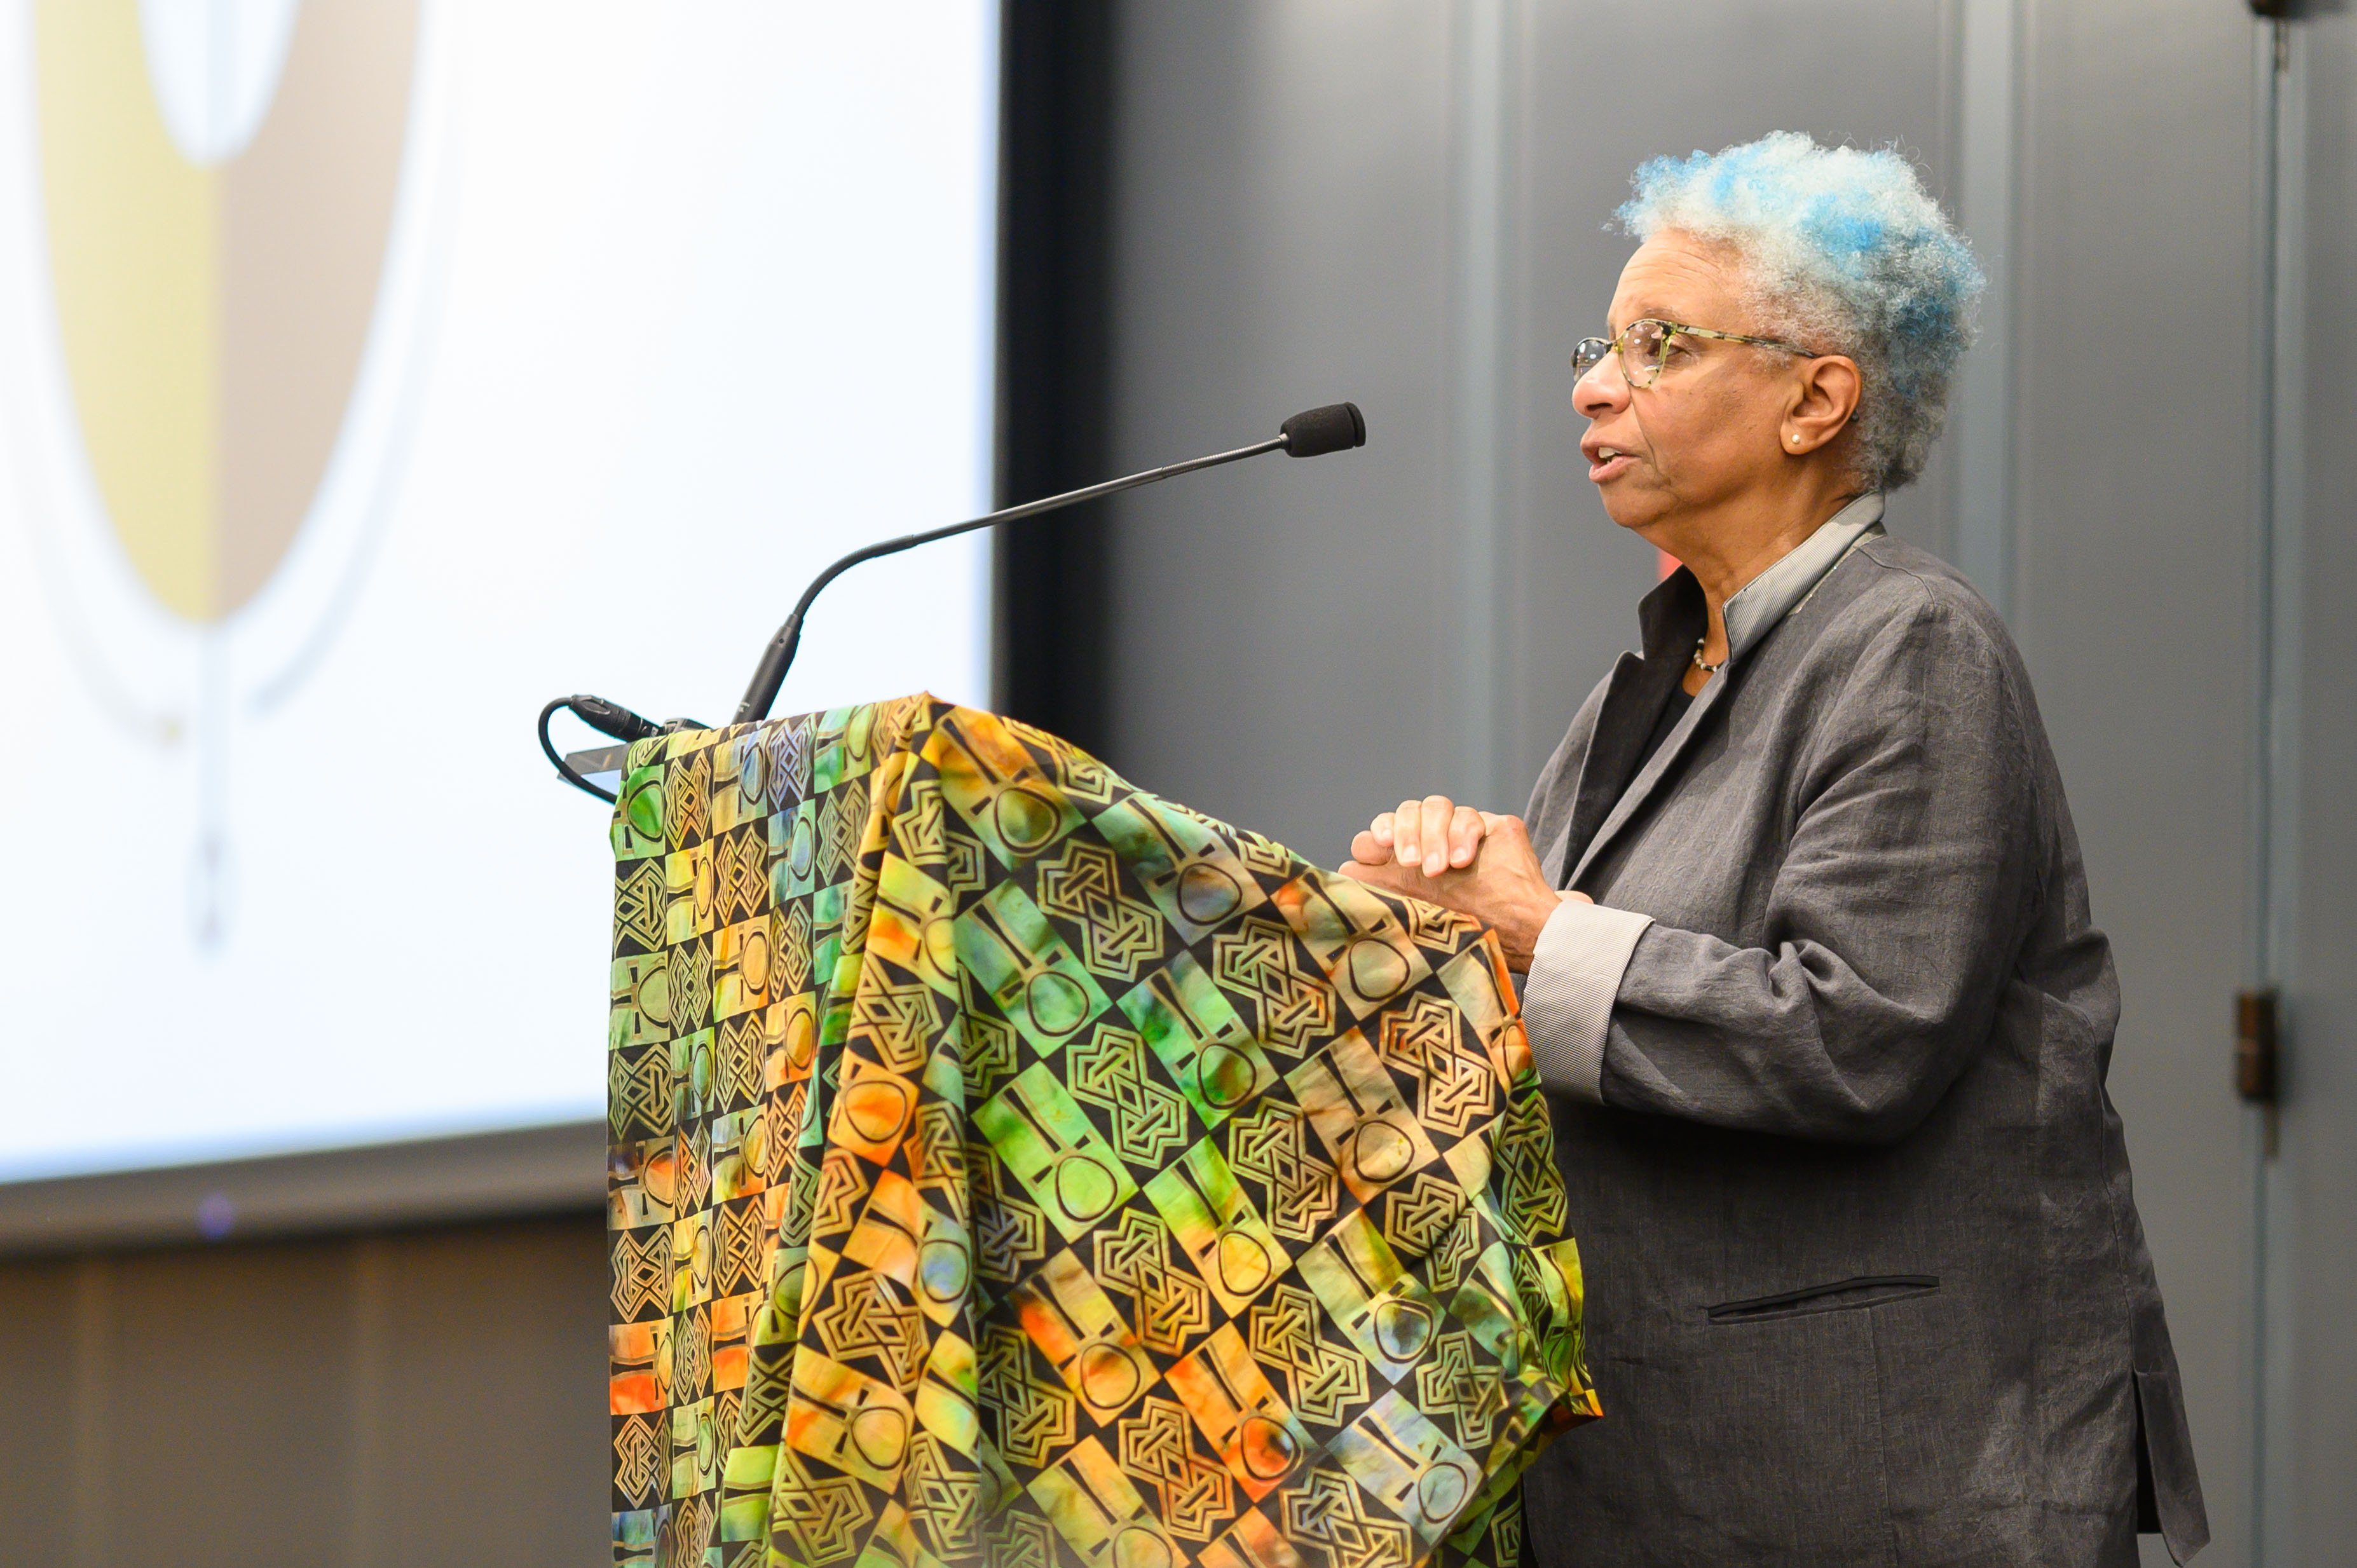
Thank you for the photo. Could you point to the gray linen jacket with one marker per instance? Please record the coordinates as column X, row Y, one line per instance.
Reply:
column 1866, row 1279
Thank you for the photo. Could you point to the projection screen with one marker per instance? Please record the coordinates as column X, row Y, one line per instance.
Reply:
column 371, row 373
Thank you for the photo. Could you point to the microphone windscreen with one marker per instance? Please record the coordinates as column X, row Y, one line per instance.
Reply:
column 1337, row 427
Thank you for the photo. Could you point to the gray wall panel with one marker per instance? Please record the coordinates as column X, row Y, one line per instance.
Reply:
column 2135, row 552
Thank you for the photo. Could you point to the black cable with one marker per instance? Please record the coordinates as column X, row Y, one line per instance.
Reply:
column 606, row 717
column 564, row 768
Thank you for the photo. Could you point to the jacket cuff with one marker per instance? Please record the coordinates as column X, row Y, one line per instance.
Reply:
column 1575, row 970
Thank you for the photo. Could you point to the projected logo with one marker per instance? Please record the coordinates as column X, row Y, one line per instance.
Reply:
column 219, row 182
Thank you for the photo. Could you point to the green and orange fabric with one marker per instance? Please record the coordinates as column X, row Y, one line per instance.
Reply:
column 1011, row 1167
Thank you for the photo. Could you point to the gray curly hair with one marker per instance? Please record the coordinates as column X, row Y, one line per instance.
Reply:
column 1846, row 252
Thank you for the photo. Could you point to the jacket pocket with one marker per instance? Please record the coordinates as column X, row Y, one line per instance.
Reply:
column 1841, row 1296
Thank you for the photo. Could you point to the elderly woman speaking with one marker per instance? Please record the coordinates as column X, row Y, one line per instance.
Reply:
column 1812, row 980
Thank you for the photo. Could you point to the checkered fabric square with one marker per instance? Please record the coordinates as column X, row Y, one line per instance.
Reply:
column 1010, row 1166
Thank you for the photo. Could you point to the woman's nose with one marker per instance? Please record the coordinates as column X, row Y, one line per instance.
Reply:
column 1602, row 390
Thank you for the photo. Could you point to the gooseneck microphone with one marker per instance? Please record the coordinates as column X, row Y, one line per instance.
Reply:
column 1314, row 434
column 1337, row 427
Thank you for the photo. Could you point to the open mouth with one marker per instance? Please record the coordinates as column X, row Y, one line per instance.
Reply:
column 1609, row 463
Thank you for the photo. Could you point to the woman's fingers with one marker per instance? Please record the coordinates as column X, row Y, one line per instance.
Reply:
column 1466, row 830
column 1439, row 811
column 1429, row 836
column 1407, row 833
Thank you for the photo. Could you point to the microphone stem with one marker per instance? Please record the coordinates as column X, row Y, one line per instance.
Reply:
column 779, row 654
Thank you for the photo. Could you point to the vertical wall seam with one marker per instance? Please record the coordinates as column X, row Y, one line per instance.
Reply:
column 1477, row 274
column 372, row 1367
column 1988, row 56
column 2258, row 849
column 2280, row 561
column 2022, row 492
column 1946, row 159
column 93, row 1344
column 1513, row 628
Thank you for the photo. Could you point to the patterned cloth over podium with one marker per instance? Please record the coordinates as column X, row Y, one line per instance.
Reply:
column 1011, row 1167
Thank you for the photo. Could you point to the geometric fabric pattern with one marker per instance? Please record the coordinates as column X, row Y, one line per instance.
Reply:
column 1010, row 1166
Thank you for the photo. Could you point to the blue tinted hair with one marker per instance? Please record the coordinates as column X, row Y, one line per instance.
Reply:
column 1846, row 253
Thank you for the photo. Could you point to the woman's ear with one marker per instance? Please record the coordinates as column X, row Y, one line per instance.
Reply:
column 1824, row 399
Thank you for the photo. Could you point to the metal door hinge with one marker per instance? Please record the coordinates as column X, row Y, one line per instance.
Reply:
column 2257, row 1048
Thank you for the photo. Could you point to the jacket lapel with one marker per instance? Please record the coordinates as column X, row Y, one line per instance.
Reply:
column 1657, row 767
column 1671, row 619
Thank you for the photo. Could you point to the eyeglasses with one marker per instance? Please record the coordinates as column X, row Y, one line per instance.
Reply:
column 1644, row 347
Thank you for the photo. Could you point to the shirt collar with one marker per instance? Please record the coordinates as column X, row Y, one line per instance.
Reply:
column 1758, row 605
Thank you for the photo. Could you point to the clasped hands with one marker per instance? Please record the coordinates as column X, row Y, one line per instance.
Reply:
column 1477, row 863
